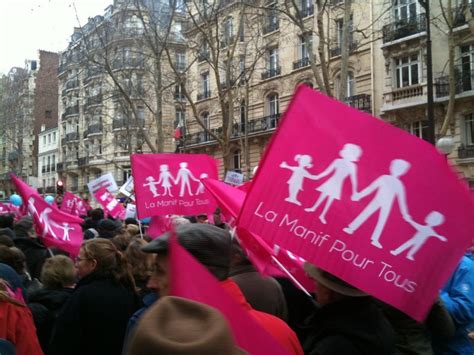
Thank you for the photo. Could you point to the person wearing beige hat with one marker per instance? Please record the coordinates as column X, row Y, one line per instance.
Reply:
column 348, row 322
column 174, row 325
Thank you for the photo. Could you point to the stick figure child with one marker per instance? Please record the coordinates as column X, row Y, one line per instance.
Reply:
column 165, row 180
column 341, row 169
column 200, row 190
column 295, row 182
column 152, row 185
column 65, row 227
column 423, row 232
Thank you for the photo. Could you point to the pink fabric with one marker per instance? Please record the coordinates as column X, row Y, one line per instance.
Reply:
column 158, row 226
column 6, row 207
column 199, row 285
column 361, row 199
column 110, row 204
column 170, row 184
column 73, row 204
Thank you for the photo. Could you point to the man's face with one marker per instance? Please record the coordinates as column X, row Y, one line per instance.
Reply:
column 160, row 277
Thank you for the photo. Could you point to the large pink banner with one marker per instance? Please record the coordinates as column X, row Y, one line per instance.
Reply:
column 170, row 184
column 363, row 200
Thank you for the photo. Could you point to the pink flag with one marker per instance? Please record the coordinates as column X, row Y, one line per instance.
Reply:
column 268, row 261
column 170, row 184
column 6, row 207
column 355, row 196
column 199, row 285
column 158, row 226
column 110, row 204
column 55, row 227
column 73, row 204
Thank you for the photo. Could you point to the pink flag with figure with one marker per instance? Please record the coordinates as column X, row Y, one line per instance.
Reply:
column 355, row 196
column 55, row 227
column 110, row 204
column 6, row 207
column 199, row 285
column 171, row 184
column 73, row 204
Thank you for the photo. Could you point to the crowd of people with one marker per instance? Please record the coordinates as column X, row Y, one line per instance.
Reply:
column 114, row 298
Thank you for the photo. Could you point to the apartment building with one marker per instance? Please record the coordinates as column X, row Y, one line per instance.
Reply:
column 116, row 90
column 48, row 154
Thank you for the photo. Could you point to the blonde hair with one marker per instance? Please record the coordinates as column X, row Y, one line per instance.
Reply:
column 58, row 272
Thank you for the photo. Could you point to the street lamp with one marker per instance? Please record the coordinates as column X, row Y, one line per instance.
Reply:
column 445, row 145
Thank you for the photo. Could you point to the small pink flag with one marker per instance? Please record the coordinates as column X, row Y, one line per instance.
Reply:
column 110, row 203
column 73, row 204
column 171, row 184
column 199, row 285
column 55, row 227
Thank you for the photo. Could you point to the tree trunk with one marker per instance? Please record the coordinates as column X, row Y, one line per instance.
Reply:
column 345, row 51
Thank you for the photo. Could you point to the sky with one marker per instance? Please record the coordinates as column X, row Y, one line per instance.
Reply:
column 29, row 25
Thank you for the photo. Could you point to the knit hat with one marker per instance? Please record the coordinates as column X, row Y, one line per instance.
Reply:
column 332, row 282
column 210, row 245
column 174, row 325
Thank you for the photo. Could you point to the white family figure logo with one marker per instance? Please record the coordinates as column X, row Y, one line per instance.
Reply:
column 65, row 227
column 423, row 232
column 48, row 224
column 183, row 178
column 387, row 189
column 299, row 173
column 341, row 169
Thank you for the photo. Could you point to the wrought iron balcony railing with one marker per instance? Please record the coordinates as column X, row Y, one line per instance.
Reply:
column 271, row 26
column 95, row 128
column 464, row 81
column 361, row 102
column 94, row 100
column 404, row 28
column 270, row 73
column 335, row 51
column 303, row 62
column 465, row 152
column 204, row 95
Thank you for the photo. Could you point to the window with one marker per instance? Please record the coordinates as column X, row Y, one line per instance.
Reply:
column 418, row 129
column 54, row 137
column 236, row 158
column 272, row 62
column 44, row 140
column 241, row 29
column 273, row 105
column 340, row 31
column 228, row 30
column 48, row 114
column 180, row 61
column 48, row 167
column 405, row 10
column 49, row 138
column 53, row 163
column 467, row 67
column 304, row 46
column 469, row 129
column 179, row 117
column 206, row 85
column 141, row 114
column 350, row 86
column 273, row 22
column 407, row 71
column 243, row 114
column 178, row 92
column 207, row 124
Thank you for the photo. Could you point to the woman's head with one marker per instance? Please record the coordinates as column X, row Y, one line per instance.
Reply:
column 58, row 272
column 101, row 257
column 140, row 263
column 14, row 258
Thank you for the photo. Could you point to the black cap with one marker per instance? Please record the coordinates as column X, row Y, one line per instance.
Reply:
column 210, row 245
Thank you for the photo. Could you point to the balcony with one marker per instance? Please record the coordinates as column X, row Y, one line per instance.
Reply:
column 307, row 11
column 203, row 56
column 401, row 98
column 404, row 28
column 303, row 62
column 71, row 137
column 95, row 128
column 132, row 63
column 94, row 100
column 271, row 26
column 72, row 84
column 361, row 102
column 71, row 110
column 93, row 73
column 125, row 122
column 466, row 152
column 204, row 95
column 459, row 14
column 179, row 96
column 270, row 73
column 335, row 51
column 81, row 162
column 464, row 81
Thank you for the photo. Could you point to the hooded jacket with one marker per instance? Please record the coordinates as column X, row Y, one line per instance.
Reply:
column 458, row 297
column 351, row 326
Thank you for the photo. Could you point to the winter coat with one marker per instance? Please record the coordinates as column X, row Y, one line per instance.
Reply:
column 16, row 326
column 263, row 293
column 45, row 306
column 458, row 297
column 94, row 319
column 35, row 252
column 273, row 325
column 351, row 326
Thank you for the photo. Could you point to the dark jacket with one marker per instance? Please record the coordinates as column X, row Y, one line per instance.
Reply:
column 352, row 326
column 263, row 293
column 45, row 306
column 35, row 252
column 94, row 320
